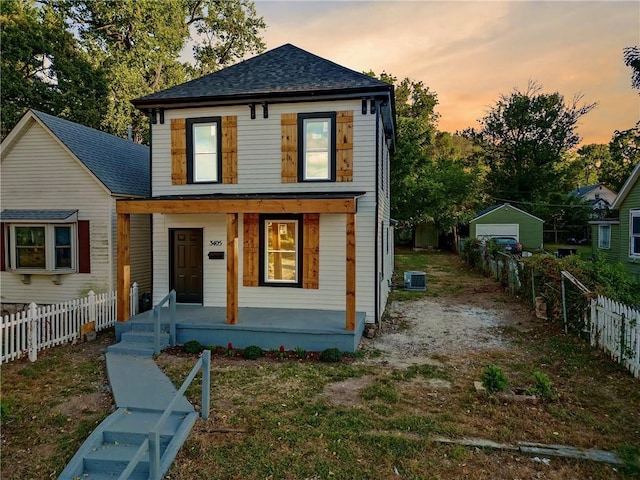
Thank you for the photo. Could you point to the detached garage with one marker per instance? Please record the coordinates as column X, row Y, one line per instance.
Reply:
column 508, row 221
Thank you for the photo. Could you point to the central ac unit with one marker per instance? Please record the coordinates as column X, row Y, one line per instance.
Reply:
column 415, row 280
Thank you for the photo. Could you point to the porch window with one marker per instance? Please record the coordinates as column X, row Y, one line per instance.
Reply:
column 634, row 227
column 604, row 237
column 47, row 247
column 317, row 149
column 280, row 239
column 204, row 160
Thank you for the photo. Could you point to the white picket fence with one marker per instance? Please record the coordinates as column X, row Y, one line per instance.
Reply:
column 615, row 328
column 37, row 328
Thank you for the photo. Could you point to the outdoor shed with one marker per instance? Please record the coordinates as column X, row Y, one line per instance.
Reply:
column 507, row 220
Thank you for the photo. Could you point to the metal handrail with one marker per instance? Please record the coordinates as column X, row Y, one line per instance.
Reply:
column 153, row 441
column 171, row 298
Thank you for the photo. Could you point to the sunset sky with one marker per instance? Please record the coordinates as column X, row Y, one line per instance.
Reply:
column 471, row 52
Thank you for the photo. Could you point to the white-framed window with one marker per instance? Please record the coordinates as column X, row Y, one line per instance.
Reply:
column 634, row 233
column 43, row 247
column 204, row 159
column 280, row 252
column 604, row 237
column 317, row 151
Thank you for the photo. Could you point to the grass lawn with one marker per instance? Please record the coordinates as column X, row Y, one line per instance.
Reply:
column 357, row 420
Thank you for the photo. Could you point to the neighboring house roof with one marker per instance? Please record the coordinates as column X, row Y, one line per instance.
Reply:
column 626, row 188
column 36, row 215
column 582, row 191
column 286, row 72
column 492, row 208
column 120, row 165
column 591, row 194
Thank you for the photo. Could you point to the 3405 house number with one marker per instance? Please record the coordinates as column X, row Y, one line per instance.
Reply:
column 215, row 243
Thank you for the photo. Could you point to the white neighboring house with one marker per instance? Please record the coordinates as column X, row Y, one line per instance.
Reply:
column 59, row 185
column 598, row 196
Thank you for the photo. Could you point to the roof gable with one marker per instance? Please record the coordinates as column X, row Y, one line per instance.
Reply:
column 494, row 208
column 120, row 165
column 626, row 188
column 283, row 71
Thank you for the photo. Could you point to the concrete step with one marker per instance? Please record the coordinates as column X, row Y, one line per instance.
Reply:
column 141, row 336
column 132, row 348
column 112, row 458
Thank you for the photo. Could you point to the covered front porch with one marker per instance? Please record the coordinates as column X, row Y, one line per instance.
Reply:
column 269, row 328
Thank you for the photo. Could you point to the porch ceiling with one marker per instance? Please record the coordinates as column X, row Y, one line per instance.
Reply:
column 335, row 202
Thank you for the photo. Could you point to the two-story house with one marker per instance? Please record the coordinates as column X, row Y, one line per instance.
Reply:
column 270, row 202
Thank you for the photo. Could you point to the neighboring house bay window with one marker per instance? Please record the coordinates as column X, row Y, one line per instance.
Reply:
column 634, row 228
column 604, row 236
column 43, row 247
column 280, row 250
column 204, row 160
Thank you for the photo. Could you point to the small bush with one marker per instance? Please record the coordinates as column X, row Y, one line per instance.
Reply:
column 301, row 352
column 494, row 379
column 192, row 346
column 252, row 353
column 331, row 355
column 543, row 386
column 213, row 348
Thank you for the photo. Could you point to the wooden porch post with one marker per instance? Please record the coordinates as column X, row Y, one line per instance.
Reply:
column 232, row 268
column 351, row 273
column 123, row 273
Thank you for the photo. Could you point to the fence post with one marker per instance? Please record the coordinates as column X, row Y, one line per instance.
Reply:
column 564, row 307
column 32, row 334
column 593, row 322
column 92, row 308
column 206, row 383
column 133, row 310
column 622, row 332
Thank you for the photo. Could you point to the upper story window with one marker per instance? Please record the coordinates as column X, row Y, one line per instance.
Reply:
column 634, row 231
column 604, row 236
column 317, row 147
column 204, row 159
column 44, row 247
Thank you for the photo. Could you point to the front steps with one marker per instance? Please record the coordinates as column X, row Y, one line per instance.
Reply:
column 139, row 341
column 108, row 450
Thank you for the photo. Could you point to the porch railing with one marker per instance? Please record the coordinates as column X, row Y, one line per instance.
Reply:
column 171, row 298
column 152, row 443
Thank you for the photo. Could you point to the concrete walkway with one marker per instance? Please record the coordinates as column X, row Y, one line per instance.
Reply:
column 141, row 393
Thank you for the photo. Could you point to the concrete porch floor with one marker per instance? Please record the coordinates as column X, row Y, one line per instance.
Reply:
column 310, row 329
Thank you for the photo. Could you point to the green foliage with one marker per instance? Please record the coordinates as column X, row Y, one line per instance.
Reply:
column 384, row 391
column 542, row 386
column 494, row 379
column 631, row 57
column 624, row 148
column 472, row 252
column 192, row 346
column 4, row 412
column 300, row 352
column 331, row 355
column 252, row 352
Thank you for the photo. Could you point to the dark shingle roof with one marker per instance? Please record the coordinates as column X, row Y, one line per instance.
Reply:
column 48, row 215
column 286, row 70
column 121, row 165
column 582, row 191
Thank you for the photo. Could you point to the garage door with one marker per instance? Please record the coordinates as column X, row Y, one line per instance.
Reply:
column 488, row 230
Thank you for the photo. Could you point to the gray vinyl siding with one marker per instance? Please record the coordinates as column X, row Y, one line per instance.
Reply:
column 385, row 232
column 259, row 171
column 38, row 173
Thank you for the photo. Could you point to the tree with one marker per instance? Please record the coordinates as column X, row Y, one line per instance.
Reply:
column 631, row 57
column 624, row 150
column 524, row 138
column 138, row 42
column 43, row 67
column 591, row 158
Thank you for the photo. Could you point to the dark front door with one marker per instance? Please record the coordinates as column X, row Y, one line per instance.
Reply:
column 186, row 265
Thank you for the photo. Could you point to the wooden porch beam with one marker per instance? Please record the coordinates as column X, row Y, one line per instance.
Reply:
column 232, row 268
column 351, row 273
column 340, row 205
column 123, row 274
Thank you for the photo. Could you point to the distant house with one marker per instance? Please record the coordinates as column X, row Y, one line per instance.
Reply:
column 598, row 196
column 59, row 185
column 618, row 239
column 507, row 220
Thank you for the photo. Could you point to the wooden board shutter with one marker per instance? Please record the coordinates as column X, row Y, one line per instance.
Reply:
column 84, row 247
column 230, row 149
column 311, row 251
column 178, row 151
column 344, row 146
column 3, row 254
column 289, row 125
column 251, row 247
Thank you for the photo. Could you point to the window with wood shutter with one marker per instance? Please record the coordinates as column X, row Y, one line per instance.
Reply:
column 289, row 146
column 250, row 253
column 311, row 252
column 178, row 151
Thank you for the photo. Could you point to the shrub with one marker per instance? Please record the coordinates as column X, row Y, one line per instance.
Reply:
column 472, row 252
column 494, row 379
column 301, row 352
column 213, row 348
column 252, row 353
column 192, row 346
column 331, row 355
column 543, row 386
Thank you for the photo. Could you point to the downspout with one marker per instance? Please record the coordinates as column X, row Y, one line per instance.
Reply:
column 151, row 214
column 377, row 206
